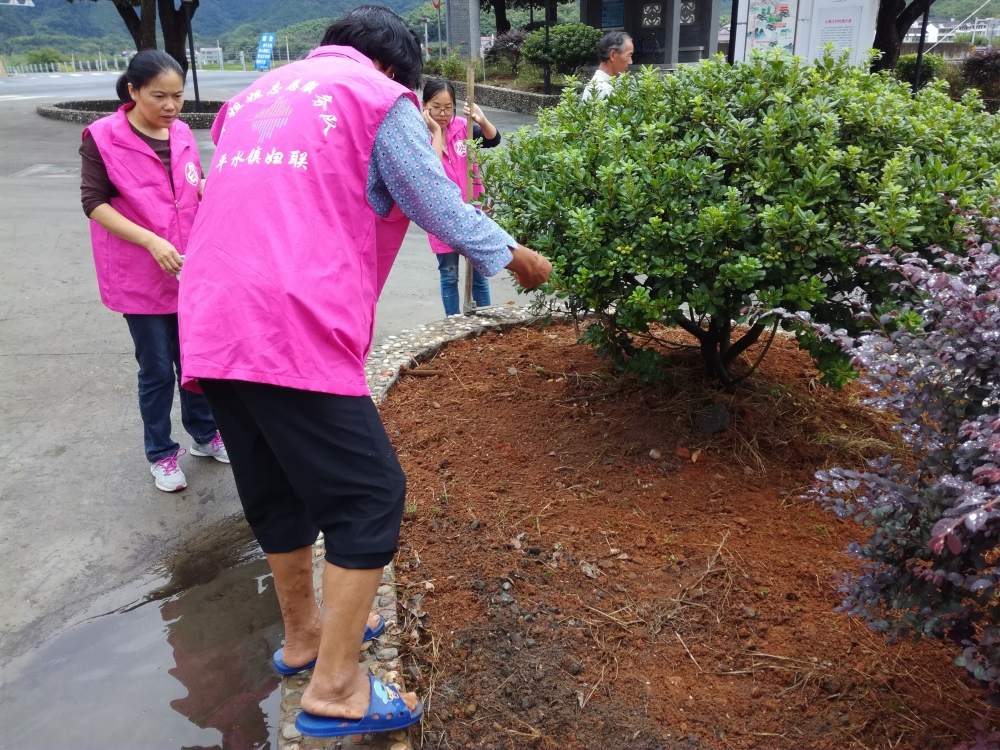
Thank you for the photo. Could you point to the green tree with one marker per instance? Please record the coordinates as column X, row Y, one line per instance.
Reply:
column 894, row 19
column 706, row 198
column 570, row 47
column 141, row 25
column 43, row 56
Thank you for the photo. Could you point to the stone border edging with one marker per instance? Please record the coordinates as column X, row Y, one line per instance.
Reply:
column 87, row 111
column 411, row 347
column 524, row 102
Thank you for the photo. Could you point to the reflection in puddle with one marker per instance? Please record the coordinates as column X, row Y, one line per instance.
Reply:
column 188, row 668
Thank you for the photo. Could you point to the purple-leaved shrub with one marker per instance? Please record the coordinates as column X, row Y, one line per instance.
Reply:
column 930, row 565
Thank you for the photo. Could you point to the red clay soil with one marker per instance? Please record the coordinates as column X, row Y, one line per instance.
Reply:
column 582, row 569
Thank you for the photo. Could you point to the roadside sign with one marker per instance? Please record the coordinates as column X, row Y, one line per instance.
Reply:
column 436, row 3
column 264, row 49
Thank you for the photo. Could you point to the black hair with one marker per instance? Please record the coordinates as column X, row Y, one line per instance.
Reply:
column 613, row 40
column 143, row 68
column 381, row 35
column 435, row 86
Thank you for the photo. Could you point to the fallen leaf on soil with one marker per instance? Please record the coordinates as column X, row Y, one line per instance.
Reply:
column 623, row 556
column 588, row 570
column 428, row 585
column 435, row 404
column 655, row 454
column 516, row 544
column 694, row 456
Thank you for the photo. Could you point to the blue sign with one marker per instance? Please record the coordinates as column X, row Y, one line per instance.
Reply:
column 264, row 49
column 612, row 14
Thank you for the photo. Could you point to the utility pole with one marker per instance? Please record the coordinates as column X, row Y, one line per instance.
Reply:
column 288, row 57
column 427, row 43
column 920, row 49
column 548, row 67
column 437, row 4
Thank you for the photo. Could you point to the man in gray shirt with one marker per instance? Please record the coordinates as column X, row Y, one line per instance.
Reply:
column 614, row 52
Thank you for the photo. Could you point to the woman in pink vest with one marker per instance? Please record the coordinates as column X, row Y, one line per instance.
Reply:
column 448, row 136
column 318, row 169
column 141, row 186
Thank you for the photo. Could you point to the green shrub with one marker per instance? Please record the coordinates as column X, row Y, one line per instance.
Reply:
column 432, row 67
column 982, row 69
column 957, row 86
column 43, row 56
column 571, row 46
column 706, row 198
column 931, row 67
column 454, row 68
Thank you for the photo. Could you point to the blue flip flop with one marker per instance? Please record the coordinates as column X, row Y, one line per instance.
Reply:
column 279, row 663
column 386, row 713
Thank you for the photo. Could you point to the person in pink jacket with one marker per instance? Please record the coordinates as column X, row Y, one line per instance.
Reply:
column 319, row 166
column 448, row 136
column 141, row 183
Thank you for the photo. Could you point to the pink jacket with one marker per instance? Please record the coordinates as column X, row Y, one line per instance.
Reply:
column 129, row 279
column 456, row 165
column 287, row 257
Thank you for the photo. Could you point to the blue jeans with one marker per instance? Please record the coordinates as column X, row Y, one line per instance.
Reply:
column 157, row 350
column 448, row 266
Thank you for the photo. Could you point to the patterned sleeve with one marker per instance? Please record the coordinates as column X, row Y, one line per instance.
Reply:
column 406, row 171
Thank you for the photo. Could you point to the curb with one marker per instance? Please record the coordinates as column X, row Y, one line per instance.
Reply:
column 88, row 111
column 380, row 657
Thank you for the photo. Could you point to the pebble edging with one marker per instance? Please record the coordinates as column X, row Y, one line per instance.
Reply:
column 381, row 656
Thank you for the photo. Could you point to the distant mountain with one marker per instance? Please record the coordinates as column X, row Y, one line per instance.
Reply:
column 86, row 26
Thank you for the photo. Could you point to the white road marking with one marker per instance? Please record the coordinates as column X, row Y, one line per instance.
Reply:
column 18, row 97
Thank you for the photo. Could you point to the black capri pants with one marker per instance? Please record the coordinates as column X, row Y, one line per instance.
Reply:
column 305, row 461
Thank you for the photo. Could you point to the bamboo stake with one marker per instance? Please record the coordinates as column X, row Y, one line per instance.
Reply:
column 469, row 306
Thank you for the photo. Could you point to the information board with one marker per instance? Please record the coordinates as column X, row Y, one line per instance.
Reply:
column 612, row 14
column 264, row 50
column 804, row 27
column 772, row 25
column 840, row 26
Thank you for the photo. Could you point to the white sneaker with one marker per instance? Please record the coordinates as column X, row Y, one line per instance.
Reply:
column 213, row 448
column 167, row 474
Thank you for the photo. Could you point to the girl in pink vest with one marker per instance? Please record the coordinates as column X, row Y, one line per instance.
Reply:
column 141, row 187
column 448, row 135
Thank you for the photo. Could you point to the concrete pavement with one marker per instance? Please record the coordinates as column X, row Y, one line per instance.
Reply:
column 79, row 516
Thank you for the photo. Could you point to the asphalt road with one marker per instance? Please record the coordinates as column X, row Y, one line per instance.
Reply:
column 79, row 516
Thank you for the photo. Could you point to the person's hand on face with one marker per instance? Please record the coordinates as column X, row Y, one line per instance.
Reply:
column 441, row 107
column 432, row 124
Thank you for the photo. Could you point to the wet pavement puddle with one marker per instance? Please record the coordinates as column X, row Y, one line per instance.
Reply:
column 185, row 666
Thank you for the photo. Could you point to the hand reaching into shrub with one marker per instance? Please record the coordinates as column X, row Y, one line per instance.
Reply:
column 930, row 564
column 691, row 198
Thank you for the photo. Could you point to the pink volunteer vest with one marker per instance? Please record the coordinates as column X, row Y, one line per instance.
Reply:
column 129, row 279
column 287, row 257
column 456, row 165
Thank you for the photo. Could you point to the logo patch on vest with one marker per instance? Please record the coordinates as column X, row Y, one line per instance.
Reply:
column 191, row 172
column 460, row 148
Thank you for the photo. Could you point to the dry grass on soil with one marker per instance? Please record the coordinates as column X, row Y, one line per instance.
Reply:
column 581, row 570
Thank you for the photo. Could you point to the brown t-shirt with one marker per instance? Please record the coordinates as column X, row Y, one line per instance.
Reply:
column 95, row 185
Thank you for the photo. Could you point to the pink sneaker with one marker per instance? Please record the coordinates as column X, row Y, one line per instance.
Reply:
column 167, row 474
column 213, row 448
